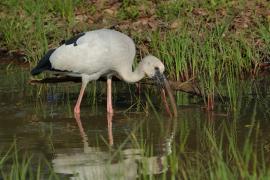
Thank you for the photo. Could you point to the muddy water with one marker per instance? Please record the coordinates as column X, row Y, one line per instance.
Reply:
column 95, row 145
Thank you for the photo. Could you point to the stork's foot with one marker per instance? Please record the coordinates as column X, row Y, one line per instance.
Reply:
column 77, row 110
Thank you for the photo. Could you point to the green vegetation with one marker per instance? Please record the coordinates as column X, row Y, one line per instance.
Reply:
column 214, row 44
column 197, row 145
column 13, row 165
column 188, row 148
column 211, row 43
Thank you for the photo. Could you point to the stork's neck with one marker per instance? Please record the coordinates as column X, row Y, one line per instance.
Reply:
column 132, row 76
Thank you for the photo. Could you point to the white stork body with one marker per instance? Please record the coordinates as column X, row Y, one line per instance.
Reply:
column 98, row 53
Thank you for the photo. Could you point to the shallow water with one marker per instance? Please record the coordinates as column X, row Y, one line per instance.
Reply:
column 99, row 146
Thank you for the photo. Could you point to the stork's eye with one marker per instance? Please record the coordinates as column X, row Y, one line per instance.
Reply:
column 156, row 68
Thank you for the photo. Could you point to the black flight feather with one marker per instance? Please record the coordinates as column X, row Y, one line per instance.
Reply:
column 43, row 64
column 72, row 40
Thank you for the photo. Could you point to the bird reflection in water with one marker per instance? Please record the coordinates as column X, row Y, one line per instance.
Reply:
column 83, row 134
column 93, row 162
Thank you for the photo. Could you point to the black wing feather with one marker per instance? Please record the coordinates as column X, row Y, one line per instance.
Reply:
column 72, row 40
column 43, row 64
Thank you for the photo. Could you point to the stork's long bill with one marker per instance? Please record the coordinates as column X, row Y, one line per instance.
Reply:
column 164, row 84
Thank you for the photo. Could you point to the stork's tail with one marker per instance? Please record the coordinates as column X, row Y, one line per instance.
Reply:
column 43, row 64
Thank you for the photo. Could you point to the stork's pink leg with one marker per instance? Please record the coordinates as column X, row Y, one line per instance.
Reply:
column 78, row 104
column 109, row 96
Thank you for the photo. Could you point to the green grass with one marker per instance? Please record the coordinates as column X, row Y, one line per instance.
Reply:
column 215, row 60
column 15, row 165
column 207, row 48
column 30, row 26
column 210, row 45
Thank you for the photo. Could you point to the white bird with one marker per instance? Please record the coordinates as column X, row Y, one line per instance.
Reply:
column 97, row 53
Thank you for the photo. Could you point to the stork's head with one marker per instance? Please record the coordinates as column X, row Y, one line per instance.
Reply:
column 152, row 66
column 154, row 69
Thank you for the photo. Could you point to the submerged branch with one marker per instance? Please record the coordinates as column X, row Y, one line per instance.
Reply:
column 188, row 86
